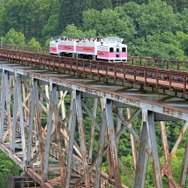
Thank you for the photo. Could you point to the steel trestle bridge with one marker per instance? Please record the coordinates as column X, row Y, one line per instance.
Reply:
column 62, row 118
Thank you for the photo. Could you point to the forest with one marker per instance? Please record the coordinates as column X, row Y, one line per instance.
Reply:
column 153, row 28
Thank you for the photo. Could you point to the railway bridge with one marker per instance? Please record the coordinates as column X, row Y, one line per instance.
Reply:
column 62, row 119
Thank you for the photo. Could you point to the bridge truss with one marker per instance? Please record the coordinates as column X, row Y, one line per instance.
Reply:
column 61, row 130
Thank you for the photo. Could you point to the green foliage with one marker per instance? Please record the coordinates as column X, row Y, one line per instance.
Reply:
column 50, row 29
column 7, row 168
column 34, row 43
column 74, row 32
column 104, row 4
column 26, row 16
column 150, row 28
column 149, row 182
column 2, row 12
column 153, row 28
column 13, row 37
column 109, row 22
column 183, row 19
column 156, row 17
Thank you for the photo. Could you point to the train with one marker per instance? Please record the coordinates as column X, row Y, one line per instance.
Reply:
column 109, row 49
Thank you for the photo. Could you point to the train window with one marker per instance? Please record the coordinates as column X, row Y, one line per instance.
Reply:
column 124, row 49
column 117, row 49
column 111, row 49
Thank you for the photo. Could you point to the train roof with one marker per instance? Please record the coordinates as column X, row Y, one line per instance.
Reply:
column 111, row 40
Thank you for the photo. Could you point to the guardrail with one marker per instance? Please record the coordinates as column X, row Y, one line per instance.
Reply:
column 147, row 75
column 132, row 60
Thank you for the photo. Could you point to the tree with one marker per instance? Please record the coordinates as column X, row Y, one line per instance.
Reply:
column 155, row 18
column 26, row 16
column 103, row 4
column 158, row 46
column 34, row 43
column 109, row 22
column 51, row 28
column 7, row 168
column 72, row 31
column 71, row 12
column 183, row 19
column 13, row 37
column 178, row 5
column 183, row 40
column 2, row 12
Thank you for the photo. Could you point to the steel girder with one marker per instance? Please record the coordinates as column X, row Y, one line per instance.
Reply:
column 62, row 133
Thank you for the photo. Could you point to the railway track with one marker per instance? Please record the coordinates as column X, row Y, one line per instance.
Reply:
column 133, row 60
column 157, row 77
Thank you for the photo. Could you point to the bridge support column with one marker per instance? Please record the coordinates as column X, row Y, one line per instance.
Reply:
column 184, row 167
column 53, row 103
column 112, row 140
column 82, row 139
column 101, row 146
column 72, row 124
column 4, row 88
column 92, row 130
column 148, row 138
column 142, row 160
column 22, row 123
column 166, row 152
column 155, row 157
column 31, row 117
column 15, row 108
column 134, row 152
column 38, row 126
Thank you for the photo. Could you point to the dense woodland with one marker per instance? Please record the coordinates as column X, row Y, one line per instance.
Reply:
column 153, row 28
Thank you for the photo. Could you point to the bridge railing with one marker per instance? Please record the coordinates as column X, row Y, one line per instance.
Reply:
column 132, row 60
column 119, row 71
column 158, row 62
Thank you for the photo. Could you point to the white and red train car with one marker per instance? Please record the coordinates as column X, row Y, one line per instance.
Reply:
column 110, row 49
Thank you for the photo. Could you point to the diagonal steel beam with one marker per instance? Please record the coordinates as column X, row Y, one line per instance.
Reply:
column 179, row 139
column 127, row 124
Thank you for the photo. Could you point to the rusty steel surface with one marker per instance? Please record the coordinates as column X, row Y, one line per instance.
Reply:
column 53, row 111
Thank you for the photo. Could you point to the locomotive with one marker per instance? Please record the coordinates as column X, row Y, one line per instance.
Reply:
column 108, row 49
